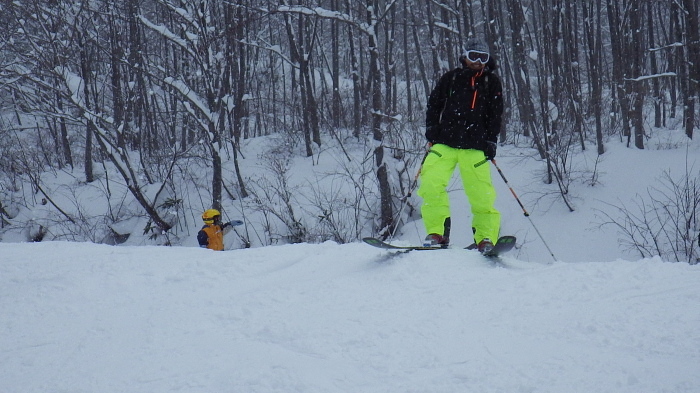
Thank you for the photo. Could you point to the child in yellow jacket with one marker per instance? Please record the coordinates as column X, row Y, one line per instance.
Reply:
column 211, row 235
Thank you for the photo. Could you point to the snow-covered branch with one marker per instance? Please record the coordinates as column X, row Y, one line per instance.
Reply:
column 324, row 13
column 191, row 96
column 165, row 32
column 645, row 77
column 271, row 48
column 673, row 45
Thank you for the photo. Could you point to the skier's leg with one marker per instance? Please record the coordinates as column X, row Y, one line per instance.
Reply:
column 436, row 173
column 486, row 220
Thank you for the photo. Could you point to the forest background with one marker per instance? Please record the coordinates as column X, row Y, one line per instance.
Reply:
column 153, row 105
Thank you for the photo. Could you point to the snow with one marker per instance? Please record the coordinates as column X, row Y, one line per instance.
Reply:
column 81, row 317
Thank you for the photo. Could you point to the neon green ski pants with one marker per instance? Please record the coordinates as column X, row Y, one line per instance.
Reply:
column 437, row 170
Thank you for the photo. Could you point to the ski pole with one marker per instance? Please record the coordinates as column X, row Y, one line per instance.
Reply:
column 420, row 169
column 500, row 172
column 410, row 190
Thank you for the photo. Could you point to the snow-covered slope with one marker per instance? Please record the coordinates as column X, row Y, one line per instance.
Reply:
column 328, row 318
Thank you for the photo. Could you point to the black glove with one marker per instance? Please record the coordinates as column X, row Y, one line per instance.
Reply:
column 490, row 150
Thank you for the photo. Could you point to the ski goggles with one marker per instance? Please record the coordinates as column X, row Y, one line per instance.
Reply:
column 478, row 56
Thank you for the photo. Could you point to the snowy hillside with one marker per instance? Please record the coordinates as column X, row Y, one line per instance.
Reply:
column 328, row 318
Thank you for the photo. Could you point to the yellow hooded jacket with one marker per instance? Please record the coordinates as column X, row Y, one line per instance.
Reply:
column 211, row 236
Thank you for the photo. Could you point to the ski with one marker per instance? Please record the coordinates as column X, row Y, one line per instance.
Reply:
column 387, row 246
column 504, row 244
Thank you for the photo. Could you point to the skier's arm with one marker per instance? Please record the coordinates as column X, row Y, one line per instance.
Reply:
column 435, row 106
column 494, row 109
column 233, row 223
column 203, row 239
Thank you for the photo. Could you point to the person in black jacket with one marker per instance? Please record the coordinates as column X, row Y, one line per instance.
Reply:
column 463, row 120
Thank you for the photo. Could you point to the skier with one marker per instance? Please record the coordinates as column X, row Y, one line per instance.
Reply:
column 463, row 120
column 211, row 235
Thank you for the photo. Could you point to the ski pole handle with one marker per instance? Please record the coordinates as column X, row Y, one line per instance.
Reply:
column 480, row 163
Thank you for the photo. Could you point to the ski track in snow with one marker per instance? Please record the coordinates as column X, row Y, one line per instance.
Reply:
column 80, row 317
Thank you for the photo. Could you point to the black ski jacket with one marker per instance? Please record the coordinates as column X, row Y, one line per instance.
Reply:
column 465, row 109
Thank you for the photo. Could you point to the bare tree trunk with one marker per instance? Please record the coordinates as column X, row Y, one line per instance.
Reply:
column 434, row 52
column 592, row 25
column 386, row 215
column 692, row 9
column 116, row 53
column 216, row 180
column 336, row 111
column 656, row 92
column 65, row 143
column 356, row 86
column 421, row 64
column 572, row 77
column 90, row 128
column 407, row 69
column 521, row 77
column 637, row 86
column 134, row 103
column 621, row 60
column 300, row 55
column 390, row 63
column 235, row 22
